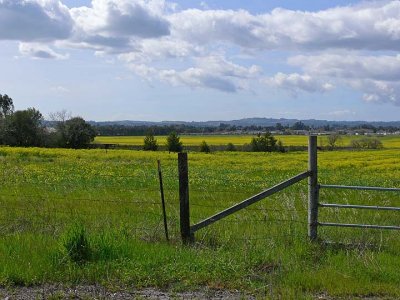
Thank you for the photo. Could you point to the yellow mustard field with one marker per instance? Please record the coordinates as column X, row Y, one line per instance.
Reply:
column 115, row 196
column 288, row 140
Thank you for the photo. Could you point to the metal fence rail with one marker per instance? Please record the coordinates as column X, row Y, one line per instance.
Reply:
column 359, row 226
column 359, row 206
column 367, row 188
column 254, row 199
column 352, row 206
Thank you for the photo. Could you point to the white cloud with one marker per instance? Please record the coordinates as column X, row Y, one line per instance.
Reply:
column 375, row 91
column 377, row 77
column 212, row 72
column 39, row 51
column 60, row 89
column 34, row 20
column 382, row 67
column 137, row 18
column 341, row 113
column 296, row 82
column 148, row 50
column 368, row 26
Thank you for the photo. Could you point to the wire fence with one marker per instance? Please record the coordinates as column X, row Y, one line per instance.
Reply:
column 47, row 199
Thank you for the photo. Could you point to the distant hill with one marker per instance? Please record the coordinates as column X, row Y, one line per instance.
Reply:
column 265, row 122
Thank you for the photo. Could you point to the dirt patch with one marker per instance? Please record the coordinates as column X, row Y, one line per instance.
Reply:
column 56, row 292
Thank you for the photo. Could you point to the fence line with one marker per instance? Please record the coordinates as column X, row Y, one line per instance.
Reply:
column 188, row 230
column 111, row 184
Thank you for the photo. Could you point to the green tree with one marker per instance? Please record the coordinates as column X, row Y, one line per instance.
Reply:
column 204, row 147
column 6, row 106
column 173, row 143
column 6, row 109
column 77, row 133
column 150, row 142
column 279, row 126
column 300, row 126
column 58, row 137
column 263, row 143
column 24, row 128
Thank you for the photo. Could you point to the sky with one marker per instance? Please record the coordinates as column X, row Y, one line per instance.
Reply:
column 202, row 60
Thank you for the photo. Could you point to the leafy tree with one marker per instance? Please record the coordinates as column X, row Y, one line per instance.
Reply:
column 300, row 126
column 279, row 126
column 263, row 143
column 77, row 133
column 6, row 106
column 6, row 109
column 173, row 143
column 24, row 128
column 58, row 137
column 333, row 139
column 150, row 142
column 204, row 147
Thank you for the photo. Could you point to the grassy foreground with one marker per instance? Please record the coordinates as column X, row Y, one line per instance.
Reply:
column 218, row 140
column 49, row 195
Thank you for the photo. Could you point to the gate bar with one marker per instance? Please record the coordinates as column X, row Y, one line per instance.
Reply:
column 249, row 201
column 359, row 206
column 360, row 226
column 373, row 188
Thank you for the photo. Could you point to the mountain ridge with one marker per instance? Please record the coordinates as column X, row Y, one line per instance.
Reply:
column 257, row 121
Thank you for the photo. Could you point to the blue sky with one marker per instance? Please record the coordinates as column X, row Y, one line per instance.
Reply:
column 202, row 60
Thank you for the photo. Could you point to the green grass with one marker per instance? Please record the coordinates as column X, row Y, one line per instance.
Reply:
column 114, row 195
column 218, row 140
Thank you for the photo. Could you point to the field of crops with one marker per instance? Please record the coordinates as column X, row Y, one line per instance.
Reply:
column 47, row 196
column 217, row 140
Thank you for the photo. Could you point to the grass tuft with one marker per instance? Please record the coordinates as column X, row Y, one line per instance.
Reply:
column 76, row 244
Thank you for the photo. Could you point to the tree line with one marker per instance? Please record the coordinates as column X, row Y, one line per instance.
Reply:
column 261, row 143
column 141, row 130
column 26, row 128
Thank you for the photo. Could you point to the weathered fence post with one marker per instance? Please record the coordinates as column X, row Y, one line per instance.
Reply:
column 187, row 238
column 312, row 188
column 162, row 200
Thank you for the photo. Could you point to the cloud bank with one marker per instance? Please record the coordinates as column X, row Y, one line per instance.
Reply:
column 354, row 46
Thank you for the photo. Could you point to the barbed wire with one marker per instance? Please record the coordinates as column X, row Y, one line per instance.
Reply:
column 250, row 209
column 47, row 197
column 48, row 212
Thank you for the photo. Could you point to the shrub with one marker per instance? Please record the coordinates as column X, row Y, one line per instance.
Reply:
column 263, row 143
column 230, row 147
column 150, row 142
column 173, row 143
column 366, row 143
column 280, row 147
column 204, row 147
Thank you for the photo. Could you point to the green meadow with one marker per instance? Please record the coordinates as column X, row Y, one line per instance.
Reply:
column 53, row 201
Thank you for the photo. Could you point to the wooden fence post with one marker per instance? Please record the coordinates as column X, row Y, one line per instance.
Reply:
column 187, row 237
column 312, row 188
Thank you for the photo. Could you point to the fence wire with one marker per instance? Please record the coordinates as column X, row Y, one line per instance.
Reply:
column 105, row 198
